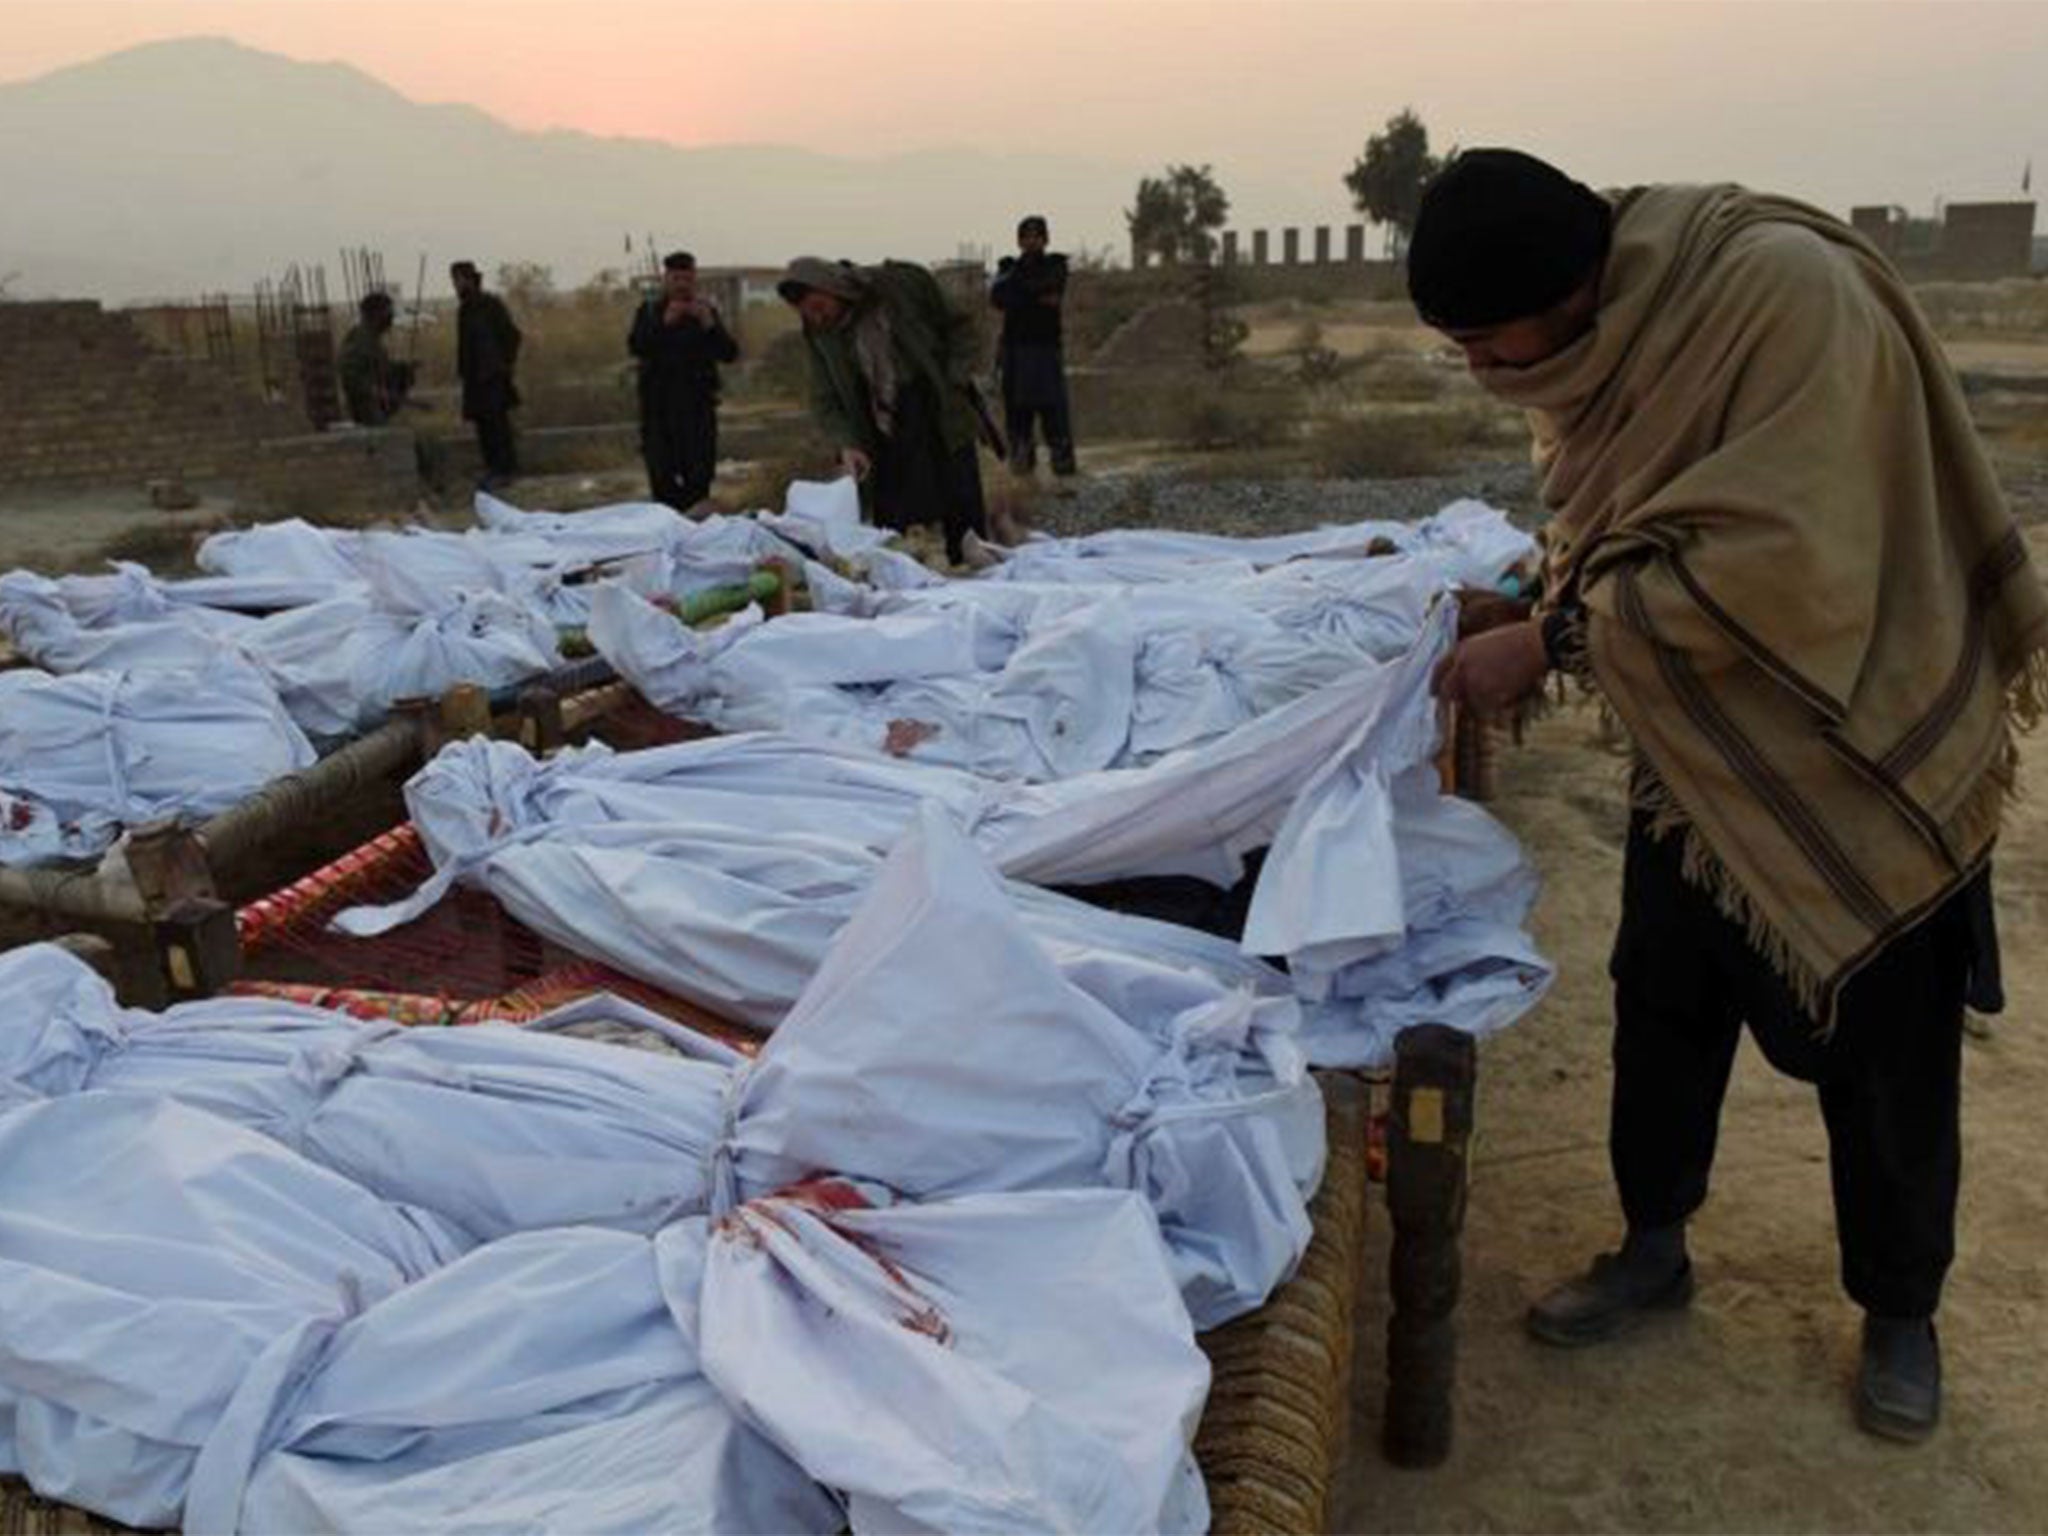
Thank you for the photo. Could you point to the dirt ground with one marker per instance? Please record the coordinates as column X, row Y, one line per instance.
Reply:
column 69, row 530
column 1734, row 1416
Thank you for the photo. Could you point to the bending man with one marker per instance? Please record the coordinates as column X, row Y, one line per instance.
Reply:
column 1780, row 555
column 891, row 364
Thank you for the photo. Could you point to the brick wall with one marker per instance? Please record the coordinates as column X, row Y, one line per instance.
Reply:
column 85, row 400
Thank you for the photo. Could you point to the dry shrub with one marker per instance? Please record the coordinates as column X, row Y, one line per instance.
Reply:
column 1398, row 374
column 573, row 366
column 1098, row 304
column 1123, row 404
column 1224, row 411
column 580, row 452
column 1315, row 361
column 558, row 400
column 1406, row 444
column 779, row 371
column 1162, row 335
column 2015, row 306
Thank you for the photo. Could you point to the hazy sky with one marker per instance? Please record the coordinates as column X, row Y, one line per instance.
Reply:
column 1839, row 101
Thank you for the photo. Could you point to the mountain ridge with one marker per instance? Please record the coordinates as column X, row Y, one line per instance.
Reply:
column 201, row 163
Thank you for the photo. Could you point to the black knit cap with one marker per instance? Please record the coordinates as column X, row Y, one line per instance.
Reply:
column 1501, row 236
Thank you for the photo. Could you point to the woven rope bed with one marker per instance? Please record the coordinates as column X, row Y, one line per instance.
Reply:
column 1273, row 1433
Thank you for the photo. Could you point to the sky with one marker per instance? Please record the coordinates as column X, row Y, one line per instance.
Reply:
column 1837, row 101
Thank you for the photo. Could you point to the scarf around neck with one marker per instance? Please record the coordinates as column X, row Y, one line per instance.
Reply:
column 1806, row 600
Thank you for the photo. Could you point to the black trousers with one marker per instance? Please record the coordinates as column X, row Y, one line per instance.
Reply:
column 1035, row 398
column 1889, row 1076
column 494, row 442
column 681, row 449
column 919, row 480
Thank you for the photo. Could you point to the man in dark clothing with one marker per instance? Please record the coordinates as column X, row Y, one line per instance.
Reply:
column 1030, row 289
column 680, row 340
column 891, row 378
column 1746, row 429
column 486, row 351
column 373, row 386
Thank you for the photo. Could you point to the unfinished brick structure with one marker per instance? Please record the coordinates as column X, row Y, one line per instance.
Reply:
column 86, row 401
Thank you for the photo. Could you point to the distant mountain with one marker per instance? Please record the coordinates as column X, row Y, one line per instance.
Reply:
column 202, row 164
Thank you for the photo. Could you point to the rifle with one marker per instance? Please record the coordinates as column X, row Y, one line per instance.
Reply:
column 991, row 434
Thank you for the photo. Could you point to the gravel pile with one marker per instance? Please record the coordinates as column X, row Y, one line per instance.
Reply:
column 1162, row 499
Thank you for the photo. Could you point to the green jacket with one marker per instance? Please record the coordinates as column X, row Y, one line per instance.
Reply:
column 373, row 386
column 932, row 339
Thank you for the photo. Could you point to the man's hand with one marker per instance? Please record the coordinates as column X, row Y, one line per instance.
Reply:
column 676, row 311
column 1492, row 672
column 855, row 463
column 1480, row 610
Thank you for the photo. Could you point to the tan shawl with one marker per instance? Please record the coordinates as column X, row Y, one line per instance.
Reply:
column 1807, row 601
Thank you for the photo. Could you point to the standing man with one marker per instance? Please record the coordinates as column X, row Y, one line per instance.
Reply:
column 680, row 340
column 1779, row 553
column 891, row 365
column 373, row 386
column 1030, row 289
column 486, row 351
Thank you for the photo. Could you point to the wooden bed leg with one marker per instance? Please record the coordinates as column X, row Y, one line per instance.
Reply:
column 465, row 711
column 168, row 863
column 198, row 950
column 1429, row 1133
column 198, row 947
column 540, row 720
